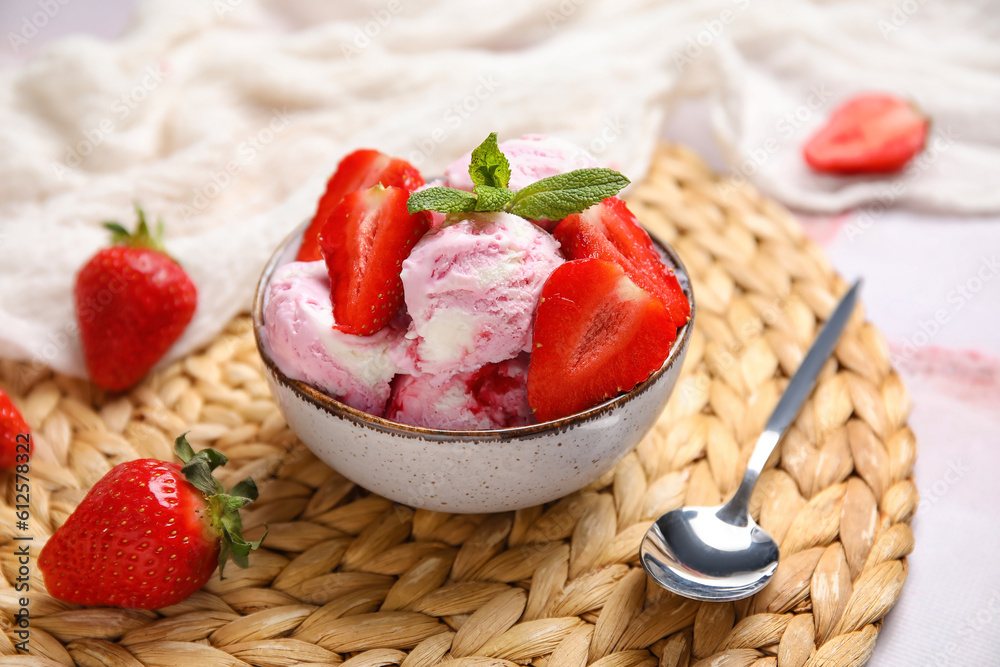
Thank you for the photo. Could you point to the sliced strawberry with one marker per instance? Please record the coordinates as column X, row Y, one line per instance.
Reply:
column 358, row 171
column 610, row 231
column 15, row 436
column 364, row 242
column 596, row 335
column 872, row 133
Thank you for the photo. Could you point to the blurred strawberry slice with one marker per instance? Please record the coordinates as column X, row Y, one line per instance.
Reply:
column 611, row 232
column 869, row 134
column 358, row 171
column 596, row 335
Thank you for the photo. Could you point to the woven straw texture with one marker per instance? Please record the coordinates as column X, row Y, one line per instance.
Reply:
column 349, row 578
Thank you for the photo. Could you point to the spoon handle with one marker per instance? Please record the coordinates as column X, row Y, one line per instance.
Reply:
column 799, row 388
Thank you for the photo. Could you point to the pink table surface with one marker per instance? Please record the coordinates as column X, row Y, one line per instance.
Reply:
column 932, row 285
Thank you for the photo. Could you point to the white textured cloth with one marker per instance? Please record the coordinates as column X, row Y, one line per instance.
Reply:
column 225, row 118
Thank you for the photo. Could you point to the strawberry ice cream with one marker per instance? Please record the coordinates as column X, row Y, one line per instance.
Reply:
column 495, row 396
column 298, row 332
column 532, row 157
column 471, row 287
column 457, row 353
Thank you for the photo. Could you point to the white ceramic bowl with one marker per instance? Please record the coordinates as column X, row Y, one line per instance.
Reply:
column 470, row 471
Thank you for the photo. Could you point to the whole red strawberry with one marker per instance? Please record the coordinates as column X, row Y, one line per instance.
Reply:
column 149, row 534
column 15, row 436
column 133, row 301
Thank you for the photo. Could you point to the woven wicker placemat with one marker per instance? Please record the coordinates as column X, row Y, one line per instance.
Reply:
column 345, row 576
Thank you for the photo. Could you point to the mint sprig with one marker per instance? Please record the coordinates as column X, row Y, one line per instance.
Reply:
column 551, row 198
column 489, row 198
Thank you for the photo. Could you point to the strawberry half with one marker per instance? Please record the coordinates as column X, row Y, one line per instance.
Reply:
column 358, row 171
column 596, row 335
column 133, row 302
column 869, row 134
column 365, row 240
column 15, row 436
column 611, row 232
column 148, row 534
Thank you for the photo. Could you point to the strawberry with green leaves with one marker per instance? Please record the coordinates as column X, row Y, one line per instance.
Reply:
column 132, row 302
column 597, row 334
column 149, row 533
column 360, row 170
column 15, row 436
column 364, row 242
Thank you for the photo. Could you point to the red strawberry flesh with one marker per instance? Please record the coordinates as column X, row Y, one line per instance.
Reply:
column 596, row 334
column 360, row 170
column 15, row 436
column 872, row 133
column 365, row 240
column 611, row 232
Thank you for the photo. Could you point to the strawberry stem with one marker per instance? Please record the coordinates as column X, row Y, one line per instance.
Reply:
column 141, row 238
column 223, row 508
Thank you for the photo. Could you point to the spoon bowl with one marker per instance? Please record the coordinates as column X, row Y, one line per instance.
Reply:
column 691, row 550
column 720, row 553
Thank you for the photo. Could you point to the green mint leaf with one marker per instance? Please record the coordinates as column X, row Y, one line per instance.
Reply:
column 555, row 197
column 445, row 200
column 489, row 166
column 490, row 198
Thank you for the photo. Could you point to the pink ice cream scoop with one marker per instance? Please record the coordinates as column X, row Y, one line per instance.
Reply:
column 531, row 157
column 495, row 396
column 471, row 288
column 298, row 332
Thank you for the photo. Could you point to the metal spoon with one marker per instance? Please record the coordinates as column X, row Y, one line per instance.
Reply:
column 720, row 553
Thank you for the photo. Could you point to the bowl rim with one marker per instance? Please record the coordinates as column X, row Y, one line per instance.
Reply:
column 331, row 405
